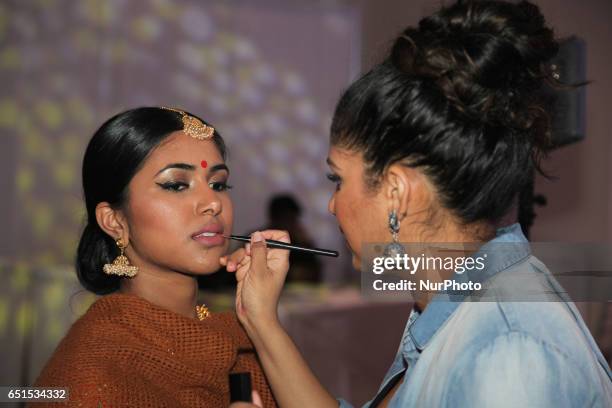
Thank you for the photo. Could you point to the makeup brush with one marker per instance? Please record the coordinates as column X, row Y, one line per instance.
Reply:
column 270, row 243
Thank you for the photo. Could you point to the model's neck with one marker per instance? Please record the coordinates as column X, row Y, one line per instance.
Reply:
column 170, row 290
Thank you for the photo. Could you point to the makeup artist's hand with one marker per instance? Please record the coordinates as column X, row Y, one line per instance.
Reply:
column 256, row 402
column 260, row 273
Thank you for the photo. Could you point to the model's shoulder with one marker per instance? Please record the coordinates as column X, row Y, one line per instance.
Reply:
column 84, row 354
column 228, row 322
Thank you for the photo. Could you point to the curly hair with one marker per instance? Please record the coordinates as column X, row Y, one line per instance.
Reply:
column 458, row 96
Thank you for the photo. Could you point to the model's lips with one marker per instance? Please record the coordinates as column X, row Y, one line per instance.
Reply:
column 205, row 234
column 210, row 235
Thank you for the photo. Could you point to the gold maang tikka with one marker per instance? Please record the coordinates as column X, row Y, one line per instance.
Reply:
column 193, row 126
column 121, row 265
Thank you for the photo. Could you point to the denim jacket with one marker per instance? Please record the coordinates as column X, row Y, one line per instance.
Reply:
column 498, row 354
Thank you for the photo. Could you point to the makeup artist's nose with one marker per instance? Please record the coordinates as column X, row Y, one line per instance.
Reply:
column 331, row 205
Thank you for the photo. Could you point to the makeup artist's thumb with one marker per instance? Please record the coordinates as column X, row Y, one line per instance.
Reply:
column 257, row 403
column 259, row 259
column 256, row 399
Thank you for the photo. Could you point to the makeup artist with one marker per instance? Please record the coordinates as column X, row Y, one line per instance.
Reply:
column 433, row 145
column 155, row 184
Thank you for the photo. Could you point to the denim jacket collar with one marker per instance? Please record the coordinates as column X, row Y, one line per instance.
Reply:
column 439, row 309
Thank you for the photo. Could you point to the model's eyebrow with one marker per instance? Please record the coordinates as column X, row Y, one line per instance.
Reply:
column 185, row 166
column 331, row 163
column 182, row 166
column 218, row 167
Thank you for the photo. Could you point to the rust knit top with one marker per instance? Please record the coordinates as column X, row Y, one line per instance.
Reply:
column 127, row 352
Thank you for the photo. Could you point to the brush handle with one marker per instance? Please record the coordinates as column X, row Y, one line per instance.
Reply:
column 283, row 245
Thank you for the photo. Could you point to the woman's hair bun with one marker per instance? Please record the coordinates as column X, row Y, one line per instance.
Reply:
column 487, row 57
column 459, row 98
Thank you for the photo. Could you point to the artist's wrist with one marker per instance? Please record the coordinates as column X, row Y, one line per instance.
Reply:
column 258, row 328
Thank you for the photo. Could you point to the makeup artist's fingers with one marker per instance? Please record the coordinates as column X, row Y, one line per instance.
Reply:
column 243, row 268
column 257, row 402
column 266, row 260
column 260, row 278
column 278, row 259
column 277, row 235
column 256, row 399
column 259, row 262
column 232, row 260
column 224, row 261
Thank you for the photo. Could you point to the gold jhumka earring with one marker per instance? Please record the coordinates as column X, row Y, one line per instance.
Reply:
column 121, row 265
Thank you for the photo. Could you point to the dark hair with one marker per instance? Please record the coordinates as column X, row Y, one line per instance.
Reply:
column 282, row 205
column 457, row 97
column 114, row 154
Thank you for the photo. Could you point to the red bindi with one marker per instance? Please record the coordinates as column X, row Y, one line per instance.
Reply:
column 204, row 164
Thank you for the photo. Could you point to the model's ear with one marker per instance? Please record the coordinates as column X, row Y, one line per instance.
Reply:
column 112, row 222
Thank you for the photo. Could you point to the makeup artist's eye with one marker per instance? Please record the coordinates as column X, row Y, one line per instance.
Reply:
column 220, row 186
column 334, row 178
column 175, row 186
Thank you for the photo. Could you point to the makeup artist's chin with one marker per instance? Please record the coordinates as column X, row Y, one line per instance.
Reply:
column 355, row 258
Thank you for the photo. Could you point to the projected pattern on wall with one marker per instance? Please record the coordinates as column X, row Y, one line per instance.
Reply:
column 266, row 77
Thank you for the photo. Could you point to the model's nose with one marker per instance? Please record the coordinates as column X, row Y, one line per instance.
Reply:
column 209, row 203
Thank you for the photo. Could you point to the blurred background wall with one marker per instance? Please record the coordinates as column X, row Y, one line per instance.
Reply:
column 267, row 74
column 260, row 72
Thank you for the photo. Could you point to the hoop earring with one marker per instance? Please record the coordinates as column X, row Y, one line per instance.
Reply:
column 121, row 265
column 394, row 248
